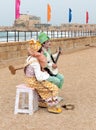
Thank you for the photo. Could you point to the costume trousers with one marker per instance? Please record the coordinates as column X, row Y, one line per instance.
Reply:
column 45, row 89
column 57, row 80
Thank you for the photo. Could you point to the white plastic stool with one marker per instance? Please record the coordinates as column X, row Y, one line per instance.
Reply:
column 32, row 99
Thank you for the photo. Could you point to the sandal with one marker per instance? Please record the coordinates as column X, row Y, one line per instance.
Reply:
column 55, row 109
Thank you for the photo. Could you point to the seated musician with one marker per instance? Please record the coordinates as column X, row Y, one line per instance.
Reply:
column 55, row 76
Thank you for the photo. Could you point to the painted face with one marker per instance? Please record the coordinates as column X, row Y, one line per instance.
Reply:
column 47, row 44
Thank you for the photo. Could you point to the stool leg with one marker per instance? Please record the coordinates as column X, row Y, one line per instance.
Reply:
column 30, row 102
column 17, row 102
column 23, row 99
column 35, row 101
column 24, row 105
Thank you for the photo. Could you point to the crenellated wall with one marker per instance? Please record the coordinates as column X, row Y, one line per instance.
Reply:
column 17, row 50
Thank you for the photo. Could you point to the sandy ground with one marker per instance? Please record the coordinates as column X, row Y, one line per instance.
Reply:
column 79, row 69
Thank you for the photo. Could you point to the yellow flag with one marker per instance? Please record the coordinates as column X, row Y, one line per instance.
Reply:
column 48, row 12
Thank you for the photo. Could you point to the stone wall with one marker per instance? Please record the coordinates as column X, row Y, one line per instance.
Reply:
column 17, row 50
column 72, row 44
column 12, row 50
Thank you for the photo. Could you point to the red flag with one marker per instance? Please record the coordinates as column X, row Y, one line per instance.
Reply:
column 48, row 12
column 87, row 16
column 17, row 9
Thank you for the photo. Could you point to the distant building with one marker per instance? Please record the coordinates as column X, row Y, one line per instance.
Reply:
column 29, row 22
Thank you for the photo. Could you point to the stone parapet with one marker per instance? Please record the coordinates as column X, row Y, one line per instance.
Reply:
column 16, row 50
column 12, row 50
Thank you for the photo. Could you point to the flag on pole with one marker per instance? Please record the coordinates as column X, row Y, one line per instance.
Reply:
column 70, row 15
column 48, row 12
column 87, row 16
column 17, row 9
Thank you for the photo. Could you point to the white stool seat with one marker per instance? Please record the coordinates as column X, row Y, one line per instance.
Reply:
column 22, row 89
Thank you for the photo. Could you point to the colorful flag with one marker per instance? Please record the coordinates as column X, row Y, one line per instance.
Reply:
column 87, row 16
column 48, row 12
column 70, row 15
column 17, row 9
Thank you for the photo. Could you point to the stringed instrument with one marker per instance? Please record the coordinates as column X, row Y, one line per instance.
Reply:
column 51, row 70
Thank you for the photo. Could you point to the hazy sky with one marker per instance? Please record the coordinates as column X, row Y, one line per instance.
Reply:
column 59, row 15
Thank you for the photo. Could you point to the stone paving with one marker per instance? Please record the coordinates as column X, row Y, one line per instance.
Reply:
column 79, row 69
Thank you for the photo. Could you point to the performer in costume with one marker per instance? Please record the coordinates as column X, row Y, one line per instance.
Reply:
column 55, row 76
column 36, row 78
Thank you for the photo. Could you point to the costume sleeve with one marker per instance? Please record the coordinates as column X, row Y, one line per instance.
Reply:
column 40, row 75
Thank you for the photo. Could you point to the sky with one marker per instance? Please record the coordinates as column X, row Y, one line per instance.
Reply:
column 59, row 11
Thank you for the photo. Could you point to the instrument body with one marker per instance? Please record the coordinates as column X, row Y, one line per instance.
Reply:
column 50, row 69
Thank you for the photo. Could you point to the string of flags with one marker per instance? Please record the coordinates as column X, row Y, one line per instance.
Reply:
column 49, row 12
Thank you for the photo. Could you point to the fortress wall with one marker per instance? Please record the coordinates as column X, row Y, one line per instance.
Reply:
column 12, row 50
column 72, row 44
column 17, row 50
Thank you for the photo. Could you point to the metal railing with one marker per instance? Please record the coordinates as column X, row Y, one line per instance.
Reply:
column 7, row 36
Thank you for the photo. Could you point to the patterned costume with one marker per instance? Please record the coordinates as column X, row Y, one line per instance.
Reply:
column 36, row 78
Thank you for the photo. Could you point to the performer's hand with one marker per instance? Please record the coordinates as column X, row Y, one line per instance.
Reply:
column 59, row 50
column 54, row 66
